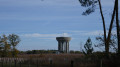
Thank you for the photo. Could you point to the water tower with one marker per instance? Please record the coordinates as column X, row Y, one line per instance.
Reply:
column 63, row 44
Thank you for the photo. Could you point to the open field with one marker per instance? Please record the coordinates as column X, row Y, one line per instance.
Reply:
column 55, row 60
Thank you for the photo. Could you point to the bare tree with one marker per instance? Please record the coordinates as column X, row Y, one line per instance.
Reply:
column 112, row 44
column 91, row 8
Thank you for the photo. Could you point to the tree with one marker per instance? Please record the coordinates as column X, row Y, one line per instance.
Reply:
column 5, row 47
column 91, row 4
column 8, row 44
column 117, row 26
column 112, row 43
column 88, row 47
column 13, row 41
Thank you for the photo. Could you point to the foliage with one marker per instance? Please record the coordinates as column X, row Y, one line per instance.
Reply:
column 39, row 51
column 90, row 4
column 6, row 46
column 14, row 40
column 46, row 52
column 74, row 52
column 88, row 47
column 15, row 52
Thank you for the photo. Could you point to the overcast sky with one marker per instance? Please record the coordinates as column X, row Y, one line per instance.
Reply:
column 38, row 23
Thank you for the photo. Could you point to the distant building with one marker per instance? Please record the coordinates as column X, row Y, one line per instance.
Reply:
column 63, row 44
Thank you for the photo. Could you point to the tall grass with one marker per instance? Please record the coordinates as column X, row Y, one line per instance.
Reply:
column 55, row 60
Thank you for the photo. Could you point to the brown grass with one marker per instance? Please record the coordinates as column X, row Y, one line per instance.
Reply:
column 62, row 60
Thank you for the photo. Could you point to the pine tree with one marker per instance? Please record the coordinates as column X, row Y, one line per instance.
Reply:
column 88, row 47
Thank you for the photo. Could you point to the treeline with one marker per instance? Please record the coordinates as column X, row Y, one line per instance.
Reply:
column 8, row 45
column 46, row 52
column 38, row 51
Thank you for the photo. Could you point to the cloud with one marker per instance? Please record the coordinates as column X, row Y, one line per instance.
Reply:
column 93, row 33
column 89, row 33
column 48, row 36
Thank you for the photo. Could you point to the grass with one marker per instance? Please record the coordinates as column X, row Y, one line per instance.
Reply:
column 54, row 60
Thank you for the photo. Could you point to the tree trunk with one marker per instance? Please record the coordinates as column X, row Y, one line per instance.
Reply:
column 101, row 12
column 117, row 27
column 110, row 28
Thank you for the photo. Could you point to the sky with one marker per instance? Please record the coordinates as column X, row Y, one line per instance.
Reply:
column 39, row 22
